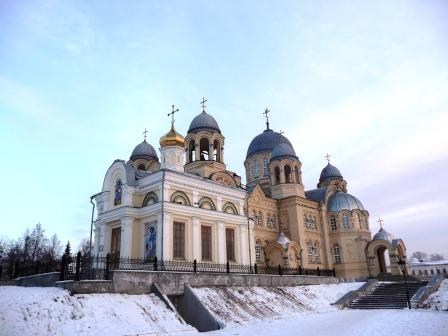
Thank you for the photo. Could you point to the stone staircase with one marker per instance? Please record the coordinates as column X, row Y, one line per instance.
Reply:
column 390, row 293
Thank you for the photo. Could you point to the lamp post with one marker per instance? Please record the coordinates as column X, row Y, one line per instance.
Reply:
column 402, row 264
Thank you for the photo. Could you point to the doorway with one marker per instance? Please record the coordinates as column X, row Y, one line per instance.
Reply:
column 382, row 254
column 115, row 243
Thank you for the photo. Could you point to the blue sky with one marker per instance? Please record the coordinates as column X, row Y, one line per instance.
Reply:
column 364, row 81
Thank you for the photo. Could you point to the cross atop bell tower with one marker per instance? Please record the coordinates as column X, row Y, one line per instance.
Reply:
column 203, row 104
column 266, row 114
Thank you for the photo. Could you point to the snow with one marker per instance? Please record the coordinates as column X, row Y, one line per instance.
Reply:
column 239, row 305
column 53, row 311
column 439, row 299
column 303, row 310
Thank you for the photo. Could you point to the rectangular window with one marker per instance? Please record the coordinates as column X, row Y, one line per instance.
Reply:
column 230, row 244
column 265, row 167
column 178, row 240
column 206, row 242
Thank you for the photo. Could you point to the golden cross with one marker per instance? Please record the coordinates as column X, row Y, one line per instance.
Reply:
column 172, row 113
column 144, row 134
column 327, row 157
column 203, row 104
column 266, row 112
column 380, row 222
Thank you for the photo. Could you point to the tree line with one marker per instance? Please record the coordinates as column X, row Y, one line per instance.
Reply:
column 35, row 245
column 423, row 256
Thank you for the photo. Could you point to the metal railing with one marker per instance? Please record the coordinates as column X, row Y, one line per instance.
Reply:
column 78, row 267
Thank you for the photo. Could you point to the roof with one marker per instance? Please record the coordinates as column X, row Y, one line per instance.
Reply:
column 330, row 172
column 203, row 121
column 283, row 150
column 343, row 201
column 317, row 195
column 266, row 142
column 144, row 151
column 383, row 235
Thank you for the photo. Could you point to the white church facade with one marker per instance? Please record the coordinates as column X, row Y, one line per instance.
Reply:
column 188, row 206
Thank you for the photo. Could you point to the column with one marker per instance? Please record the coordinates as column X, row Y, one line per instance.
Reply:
column 244, row 253
column 105, row 234
column 197, row 154
column 221, row 242
column 167, row 242
column 219, row 202
column 210, row 151
column 126, row 237
column 196, row 241
column 282, row 174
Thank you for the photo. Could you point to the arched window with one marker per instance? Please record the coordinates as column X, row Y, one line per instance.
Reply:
column 141, row 166
column 274, row 221
column 288, row 177
column 191, row 152
column 257, row 219
column 256, row 169
column 180, row 197
column 333, row 224
column 268, row 220
column 117, row 199
column 316, row 253
column 346, row 221
column 249, row 172
column 258, row 251
column 230, row 208
column 204, row 148
column 309, row 250
column 206, row 203
column 337, row 254
column 216, row 151
column 277, row 175
column 150, row 198
column 297, row 174
column 265, row 167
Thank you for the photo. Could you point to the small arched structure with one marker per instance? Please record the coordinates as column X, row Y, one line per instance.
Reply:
column 381, row 243
column 283, row 252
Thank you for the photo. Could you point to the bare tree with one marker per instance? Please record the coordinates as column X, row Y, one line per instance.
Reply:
column 54, row 247
column 421, row 256
column 84, row 246
column 436, row 257
column 38, row 241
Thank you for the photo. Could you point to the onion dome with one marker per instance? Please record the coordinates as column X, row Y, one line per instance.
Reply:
column 266, row 142
column 203, row 121
column 283, row 240
column 144, row 151
column 283, row 150
column 330, row 172
column 172, row 138
column 383, row 235
column 343, row 201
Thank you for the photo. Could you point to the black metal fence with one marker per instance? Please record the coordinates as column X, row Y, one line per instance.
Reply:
column 78, row 267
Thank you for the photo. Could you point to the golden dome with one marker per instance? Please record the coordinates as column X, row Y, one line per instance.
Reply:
column 172, row 138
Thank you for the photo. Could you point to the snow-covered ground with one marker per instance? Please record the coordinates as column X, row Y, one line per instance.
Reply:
column 234, row 305
column 439, row 299
column 303, row 310
column 53, row 311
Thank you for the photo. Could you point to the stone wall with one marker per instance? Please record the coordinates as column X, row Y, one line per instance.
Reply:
column 39, row 280
column 172, row 283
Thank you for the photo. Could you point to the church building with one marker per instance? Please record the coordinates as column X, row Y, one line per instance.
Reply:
column 184, row 204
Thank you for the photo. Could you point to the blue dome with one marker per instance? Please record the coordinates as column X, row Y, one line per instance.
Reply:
column 144, row 151
column 266, row 142
column 330, row 172
column 203, row 121
column 283, row 150
column 343, row 201
column 383, row 235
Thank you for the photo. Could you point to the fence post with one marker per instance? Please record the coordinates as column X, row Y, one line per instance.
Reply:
column 16, row 270
column 228, row 267
column 318, row 271
column 155, row 263
column 61, row 277
column 255, row 268
column 78, row 266
column 106, row 276
column 194, row 266
column 279, row 270
column 334, row 272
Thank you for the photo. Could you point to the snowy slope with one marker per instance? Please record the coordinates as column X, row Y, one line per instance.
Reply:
column 233, row 305
column 53, row 311
column 439, row 299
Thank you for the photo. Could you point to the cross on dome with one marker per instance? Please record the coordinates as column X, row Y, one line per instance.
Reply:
column 266, row 112
column 327, row 157
column 144, row 134
column 380, row 222
column 203, row 104
column 172, row 114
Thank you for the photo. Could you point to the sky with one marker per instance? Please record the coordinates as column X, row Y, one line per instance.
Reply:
column 364, row 81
